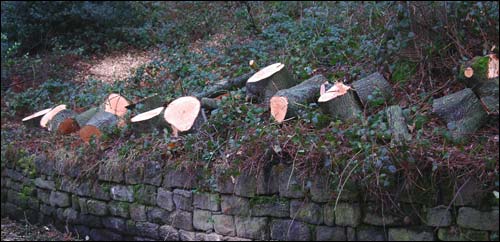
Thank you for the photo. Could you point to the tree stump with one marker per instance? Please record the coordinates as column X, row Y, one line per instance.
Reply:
column 210, row 103
column 462, row 112
column 373, row 85
column 149, row 121
column 102, row 122
column 57, row 123
column 269, row 80
column 488, row 94
column 49, row 115
column 478, row 71
column 286, row 103
column 34, row 119
column 341, row 102
column 398, row 125
column 146, row 104
column 184, row 114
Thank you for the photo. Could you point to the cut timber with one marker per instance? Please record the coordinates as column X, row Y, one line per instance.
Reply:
column 285, row 103
column 184, row 114
column 57, row 124
column 116, row 104
column 48, row 116
column 223, row 86
column 478, row 71
column 269, row 80
column 209, row 103
column 148, row 121
column 98, row 124
column 488, row 94
column 340, row 102
column 373, row 85
column 146, row 104
column 84, row 117
column 462, row 112
column 34, row 119
column 397, row 124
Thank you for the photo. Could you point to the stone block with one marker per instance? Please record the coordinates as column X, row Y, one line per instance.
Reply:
column 289, row 230
column 252, row 228
column 306, row 211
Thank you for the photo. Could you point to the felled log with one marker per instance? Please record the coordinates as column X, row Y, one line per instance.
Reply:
column 210, row 103
column 341, row 102
column 34, row 119
column 49, row 115
column 82, row 118
column 99, row 124
column 223, row 86
column 398, row 125
column 149, row 121
column 478, row 71
column 373, row 85
column 146, row 104
column 462, row 112
column 184, row 114
column 116, row 104
column 488, row 94
column 56, row 123
column 269, row 80
column 285, row 103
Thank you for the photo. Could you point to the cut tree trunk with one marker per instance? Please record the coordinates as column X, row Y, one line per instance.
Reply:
column 478, row 71
column 184, row 114
column 373, row 85
column 285, row 103
column 48, row 116
column 210, row 103
column 269, row 80
column 341, row 102
column 57, row 123
column 488, row 94
column 462, row 112
column 99, row 124
column 146, row 104
column 149, row 121
column 34, row 119
column 398, row 125
column 223, row 86
column 82, row 118
column 116, row 104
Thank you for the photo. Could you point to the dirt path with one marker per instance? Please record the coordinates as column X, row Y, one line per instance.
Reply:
column 16, row 231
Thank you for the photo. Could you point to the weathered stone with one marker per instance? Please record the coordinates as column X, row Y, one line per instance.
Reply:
column 14, row 175
column 47, row 210
column 245, row 185
column 224, row 224
column 147, row 229
column 348, row 214
column 152, row 173
column 186, row 235
column 101, row 191
column 97, row 207
column 84, row 188
column 146, row 194
column 158, row 215
column 207, row 201
column 139, row 238
column 112, row 171
column 164, row 199
column 270, row 206
column 40, row 183
column 351, row 234
column 122, row 193
column 138, row 212
column 373, row 216
column 82, row 203
column 82, row 231
column 104, row 235
column 234, row 205
column 179, row 179
column 289, row 185
column 33, row 203
column 252, row 228
column 202, row 220
column 119, row 209
column 307, row 212
column 89, row 220
column 183, row 199
column 44, row 165
column 134, row 172
column 474, row 219
column 225, row 185
column 16, row 186
column 320, row 188
column 131, row 227
column 208, row 237
column 70, row 215
column 369, row 233
column 66, row 185
column 470, row 194
column 405, row 234
column 43, row 196
column 75, row 204
column 438, row 217
column 329, row 214
column 324, row 233
column 168, row 233
column 228, row 238
column 182, row 220
column 114, row 223
column 287, row 230
column 13, row 211
column 456, row 234
column 59, row 199
column 268, row 181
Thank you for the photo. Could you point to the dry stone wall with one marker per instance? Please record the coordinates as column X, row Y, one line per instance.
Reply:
column 146, row 201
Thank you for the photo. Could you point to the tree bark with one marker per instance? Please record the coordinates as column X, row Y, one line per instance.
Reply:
column 478, row 71
column 56, row 124
column 287, row 102
column 34, row 119
column 345, row 107
column 48, row 116
column 462, row 112
column 149, row 121
column 185, row 115
column 209, row 103
column 488, row 94
column 146, row 104
column 269, row 80
column 398, row 125
column 99, row 124
column 82, row 118
column 373, row 85
column 223, row 86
